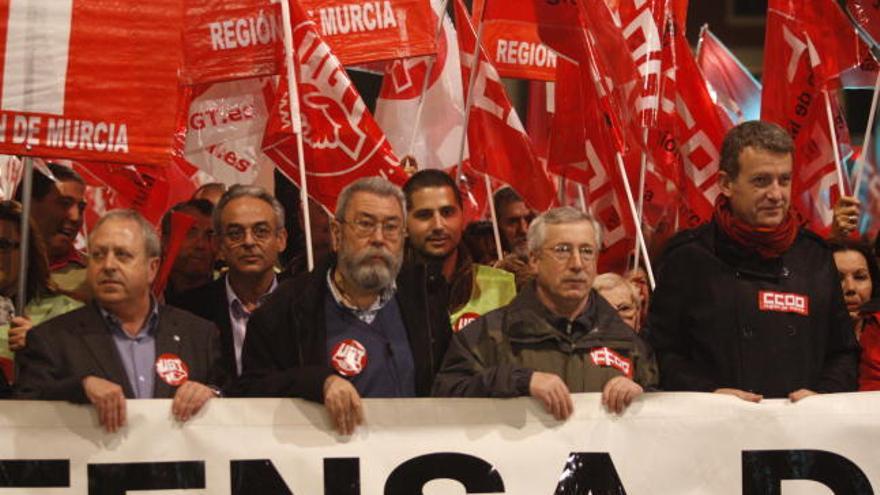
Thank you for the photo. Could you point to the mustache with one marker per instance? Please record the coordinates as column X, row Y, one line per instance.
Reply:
column 375, row 252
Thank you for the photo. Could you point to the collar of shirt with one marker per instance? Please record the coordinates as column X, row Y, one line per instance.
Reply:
column 365, row 315
column 148, row 328
column 72, row 257
column 237, row 306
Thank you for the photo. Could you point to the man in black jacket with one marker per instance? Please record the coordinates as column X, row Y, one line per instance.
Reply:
column 357, row 327
column 750, row 304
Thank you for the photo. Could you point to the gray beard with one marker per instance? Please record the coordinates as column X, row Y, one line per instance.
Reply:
column 369, row 275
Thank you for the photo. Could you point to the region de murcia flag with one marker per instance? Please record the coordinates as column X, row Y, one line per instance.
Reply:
column 341, row 140
column 225, row 129
column 73, row 87
column 227, row 39
column 436, row 137
column 496, row 138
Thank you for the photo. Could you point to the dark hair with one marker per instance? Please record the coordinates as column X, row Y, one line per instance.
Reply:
column 765, row 136
column 865, row 250
column 430, row 178
column 504, row 197
column 38, row 264
column 43, row 185
column 202, row 206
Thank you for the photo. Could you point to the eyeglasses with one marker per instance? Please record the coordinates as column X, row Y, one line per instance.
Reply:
column 261, row 233
column 563, row 252
column 7, row 245
column 366, row 227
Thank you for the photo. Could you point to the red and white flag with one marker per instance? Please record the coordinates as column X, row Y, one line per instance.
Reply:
column 341, row 141
column 435, row 140
column 70, row 87
column 228, row 39
column 225, row 129
column 496, row 138
column 794, row 73
column 734, row 87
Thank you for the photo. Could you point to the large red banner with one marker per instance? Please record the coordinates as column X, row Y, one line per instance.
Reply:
column 228, row 39
column 90, row 79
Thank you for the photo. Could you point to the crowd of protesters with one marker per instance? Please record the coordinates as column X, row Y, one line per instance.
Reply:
column 408, row 300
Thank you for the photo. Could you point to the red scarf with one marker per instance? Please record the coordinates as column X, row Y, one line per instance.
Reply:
column 768, row 242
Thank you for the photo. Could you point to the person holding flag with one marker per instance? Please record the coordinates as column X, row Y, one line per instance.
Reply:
column 750, row 304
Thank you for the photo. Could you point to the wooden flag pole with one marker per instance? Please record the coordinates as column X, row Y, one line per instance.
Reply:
column 296, row 122
column 27, row 185
column 495, row 230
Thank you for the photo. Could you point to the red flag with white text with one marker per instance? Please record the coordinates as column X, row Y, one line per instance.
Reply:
column 736, row 89
column 496, row 138
column 228, row 39
column 341, row 141
column 72, row 88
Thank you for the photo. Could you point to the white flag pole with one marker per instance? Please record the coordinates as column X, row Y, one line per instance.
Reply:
column 468, row 101
column 296, row 123
column 841, row 185
column 27, row 185
column 640, row 238
column 643, row 172
column 866, row 146
column 427, row 81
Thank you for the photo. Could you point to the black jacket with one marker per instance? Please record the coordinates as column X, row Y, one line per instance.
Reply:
column 62, row 351
column 285, row 349
column 723, row 317
column 210, row 302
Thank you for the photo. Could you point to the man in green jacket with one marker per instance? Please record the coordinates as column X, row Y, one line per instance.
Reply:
column 558, row 336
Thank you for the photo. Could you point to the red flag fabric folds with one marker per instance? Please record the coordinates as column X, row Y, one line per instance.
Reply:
column 341, row 140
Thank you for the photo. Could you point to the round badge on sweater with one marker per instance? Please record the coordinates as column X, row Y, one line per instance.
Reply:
column 172, row 369
column 463, row 321
column 348, row 357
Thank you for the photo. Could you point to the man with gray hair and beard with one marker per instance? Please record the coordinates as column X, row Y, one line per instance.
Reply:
column 359, row 326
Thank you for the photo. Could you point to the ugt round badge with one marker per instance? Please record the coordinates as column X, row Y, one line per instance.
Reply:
column 348, row 357
column 172, row 369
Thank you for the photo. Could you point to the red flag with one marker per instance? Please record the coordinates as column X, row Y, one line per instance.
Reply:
column 496, row 137
column 228, row 39
column 793, row 73
column 341, row 140
column 71, row 87
column 180, row 225
column 736, row 89
column 147, row 189
column 436, row 137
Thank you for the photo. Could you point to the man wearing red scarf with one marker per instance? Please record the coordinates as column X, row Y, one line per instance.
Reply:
column 749, row 304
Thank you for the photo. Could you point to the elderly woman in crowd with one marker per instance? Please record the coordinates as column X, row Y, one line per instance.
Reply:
column 44, row 300
column 622, row 295
column 860, row 282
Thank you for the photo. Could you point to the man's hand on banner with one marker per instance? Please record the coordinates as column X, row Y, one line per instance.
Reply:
column 18, row 329
column 742, row 394
column 108, row 399
column 846, row 217
column 800, row 394
column 189, row 399
column 553, row 393
column 619, row 393
column 343, row 404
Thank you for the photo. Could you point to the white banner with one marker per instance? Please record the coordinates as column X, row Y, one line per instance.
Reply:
column 663, row 444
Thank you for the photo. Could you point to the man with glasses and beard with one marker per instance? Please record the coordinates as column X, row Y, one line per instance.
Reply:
column 359, row 326
column 558, row 336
